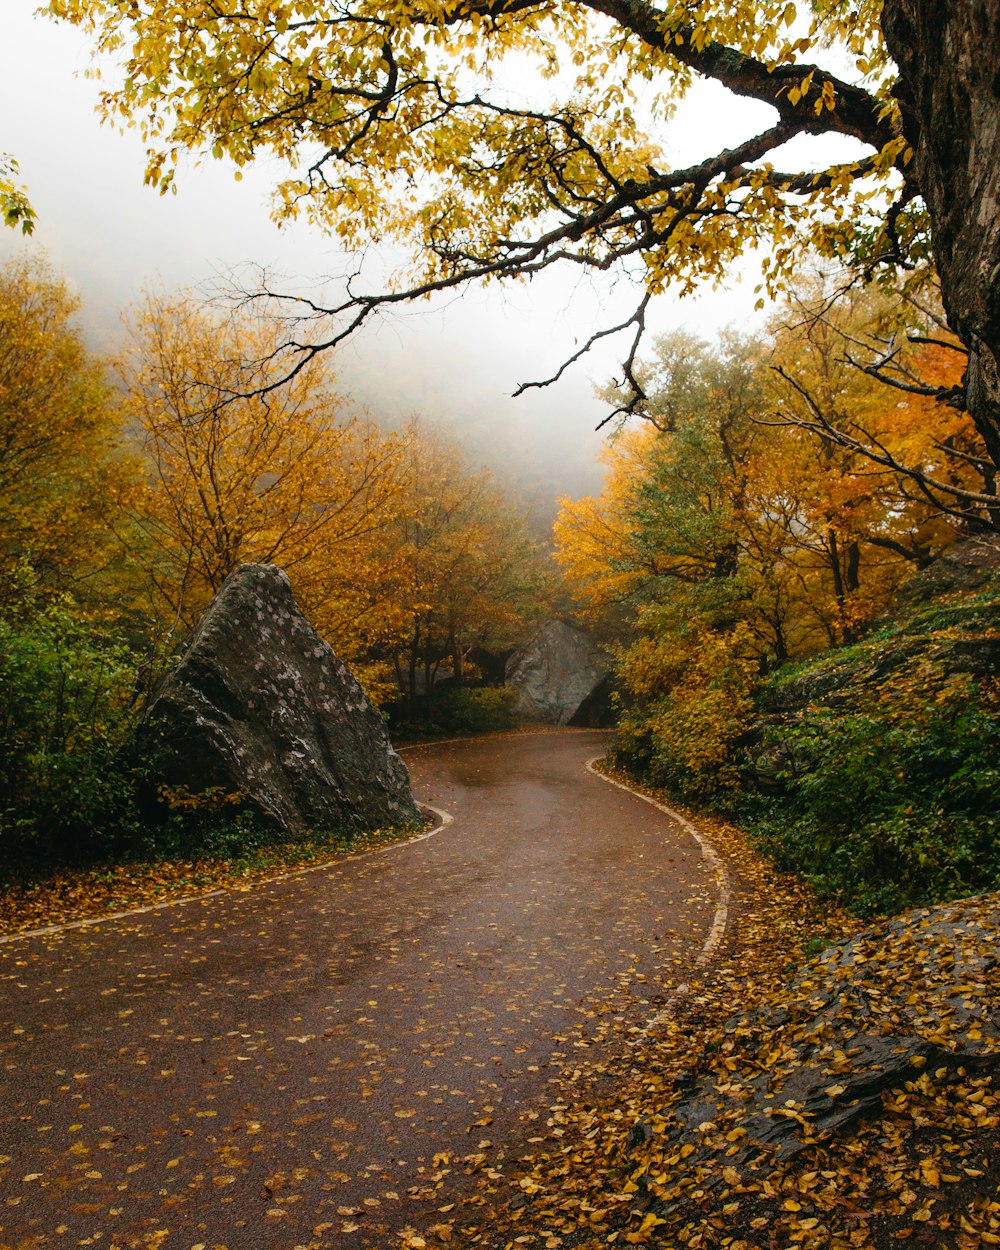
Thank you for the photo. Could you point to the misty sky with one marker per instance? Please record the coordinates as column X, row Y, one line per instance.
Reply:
column 457, row 361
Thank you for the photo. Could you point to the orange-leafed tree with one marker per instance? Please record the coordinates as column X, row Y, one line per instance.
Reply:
column 239, row 473
column 62, row 455
column 878, row 382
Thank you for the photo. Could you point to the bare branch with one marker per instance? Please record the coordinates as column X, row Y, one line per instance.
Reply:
column 953, row 396
column 932, row 342
column 875, row 451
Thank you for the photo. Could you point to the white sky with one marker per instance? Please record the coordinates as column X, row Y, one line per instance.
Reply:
column 458, row 361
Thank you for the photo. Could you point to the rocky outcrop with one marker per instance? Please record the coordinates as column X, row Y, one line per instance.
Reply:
column 912, row 1005
column 259, row 706
column 558, row 677
column 967, row 565
column 943, row 627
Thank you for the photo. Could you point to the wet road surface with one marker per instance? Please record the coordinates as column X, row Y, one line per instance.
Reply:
column 307, row 1064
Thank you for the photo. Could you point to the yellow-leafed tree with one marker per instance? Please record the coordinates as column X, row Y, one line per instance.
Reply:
column 239, row 473
column 469, row 575
column 62, row 460
column 738, row 532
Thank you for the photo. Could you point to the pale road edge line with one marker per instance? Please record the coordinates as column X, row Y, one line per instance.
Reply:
column 444, row 820
column 724, row 891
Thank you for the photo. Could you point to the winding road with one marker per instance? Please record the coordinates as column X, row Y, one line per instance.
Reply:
column 312, row 1063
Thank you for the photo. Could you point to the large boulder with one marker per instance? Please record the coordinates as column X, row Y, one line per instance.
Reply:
column 261, row 707
column 560, row 677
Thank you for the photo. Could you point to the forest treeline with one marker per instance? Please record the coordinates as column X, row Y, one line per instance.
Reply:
column 760, row 515
column 130, row 489
column 763, row 519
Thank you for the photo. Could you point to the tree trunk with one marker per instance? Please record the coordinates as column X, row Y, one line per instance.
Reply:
column 457, row 658
column 833, row 553
column 411, row 691
column 852, row 575
column 853, row 578
column 948, row 53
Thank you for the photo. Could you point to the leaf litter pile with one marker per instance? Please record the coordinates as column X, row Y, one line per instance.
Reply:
column 852, row 1103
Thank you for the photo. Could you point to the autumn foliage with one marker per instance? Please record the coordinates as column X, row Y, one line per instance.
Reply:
column 759, row 523
column 62, row 447
column 124, row 508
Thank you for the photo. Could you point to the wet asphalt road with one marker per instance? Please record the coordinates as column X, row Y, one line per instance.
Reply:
column 307, row 1064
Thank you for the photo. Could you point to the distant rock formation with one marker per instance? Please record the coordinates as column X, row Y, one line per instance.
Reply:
column 260, row 706
column 559, row 677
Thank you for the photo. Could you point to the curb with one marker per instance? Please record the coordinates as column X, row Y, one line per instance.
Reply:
column 724, row 890
column 444, row 820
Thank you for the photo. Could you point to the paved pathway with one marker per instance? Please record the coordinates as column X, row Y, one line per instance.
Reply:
column 307, row 1064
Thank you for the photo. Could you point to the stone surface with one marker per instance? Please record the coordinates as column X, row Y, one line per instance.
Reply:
column 966, row 565
column 558, row 675
column 942, row 627
column 260, row 705
column 920, row 993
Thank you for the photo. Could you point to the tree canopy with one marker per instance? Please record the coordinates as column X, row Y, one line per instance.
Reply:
column 15, row 207
column 498, row 138
column 62, row 453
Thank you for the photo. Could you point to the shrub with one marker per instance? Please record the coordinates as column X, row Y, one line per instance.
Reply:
column 691, row 703
column 893, row 806
column 475, row 711
column 66, row 697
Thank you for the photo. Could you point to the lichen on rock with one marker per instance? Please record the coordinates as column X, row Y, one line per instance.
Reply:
column 261, row 707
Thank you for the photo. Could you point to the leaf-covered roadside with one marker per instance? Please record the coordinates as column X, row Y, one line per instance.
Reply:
column 71, row 894
column 657, row 1142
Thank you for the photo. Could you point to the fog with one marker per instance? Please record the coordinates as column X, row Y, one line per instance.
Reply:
column 455, row 360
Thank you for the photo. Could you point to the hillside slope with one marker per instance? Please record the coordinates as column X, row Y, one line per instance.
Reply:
column 873, row 767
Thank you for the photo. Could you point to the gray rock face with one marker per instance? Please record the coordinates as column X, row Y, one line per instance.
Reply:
column 917, row 994
column 556, row 674
column 260, row 706
column 966, row 565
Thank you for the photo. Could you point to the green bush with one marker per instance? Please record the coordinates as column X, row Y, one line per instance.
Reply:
column 891, row 807
column 66, row 700
column 73, row 789
column 460, row 712
column 475, row 711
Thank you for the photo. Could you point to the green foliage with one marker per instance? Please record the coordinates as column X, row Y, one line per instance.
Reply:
column 214, row 830
column 71, row 787
column 66, row 694
column 477, row 711
column 465, row 711
column 892, row 806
